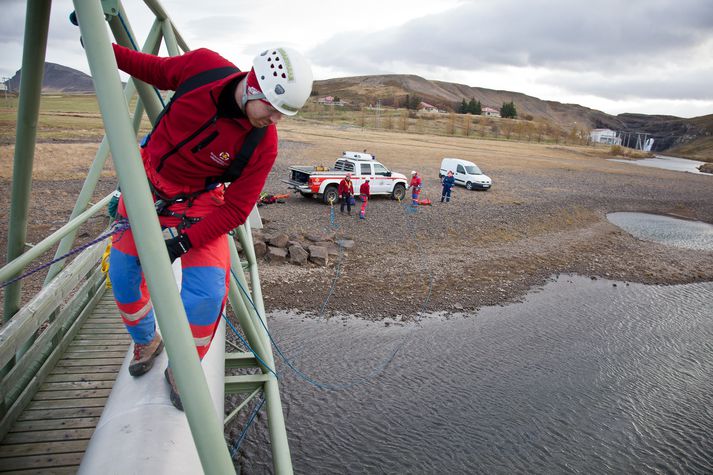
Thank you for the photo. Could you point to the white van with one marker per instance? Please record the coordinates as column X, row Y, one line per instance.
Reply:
column 466, row 173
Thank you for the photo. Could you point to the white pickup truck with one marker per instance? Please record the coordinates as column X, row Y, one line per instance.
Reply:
column 313, row 182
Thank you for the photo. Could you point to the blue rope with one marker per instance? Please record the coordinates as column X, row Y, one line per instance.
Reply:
column 334, row 387
column 247, row 345
column 244, row 432
column 135, row 46
column 118, row 227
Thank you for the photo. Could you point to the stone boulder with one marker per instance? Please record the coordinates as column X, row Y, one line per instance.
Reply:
column 279, row 240
column 319, row 255
column 277, row 254
column 298, row 255
column 260, row 248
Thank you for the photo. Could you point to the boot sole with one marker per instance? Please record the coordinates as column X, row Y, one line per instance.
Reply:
column 175, row 397
column 143, row 368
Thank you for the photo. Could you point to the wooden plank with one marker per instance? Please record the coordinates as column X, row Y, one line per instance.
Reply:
column 29, row 389
column 91, row 362
column 34, row 462
column 54, row 424
column 80, row 369
column 119, row 347
column 31, row 361
column 76, row 385
column 71, row 470
column 46, row 414
column 101, row 342
column 104, row 336
column 74, row 355
column 71, row 394
column 67, row 377
column 67, row 403
column 56, row 435
column 22, row 326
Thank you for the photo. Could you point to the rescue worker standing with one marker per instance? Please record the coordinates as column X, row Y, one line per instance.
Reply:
column 346, row 193
column 218, row 132
column 415, row 186
column 448, row 182
column 364, row 193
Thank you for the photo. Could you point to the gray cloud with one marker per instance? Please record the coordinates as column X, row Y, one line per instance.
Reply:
column 606, row 35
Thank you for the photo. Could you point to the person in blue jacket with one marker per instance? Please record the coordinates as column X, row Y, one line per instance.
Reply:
column 448, row 182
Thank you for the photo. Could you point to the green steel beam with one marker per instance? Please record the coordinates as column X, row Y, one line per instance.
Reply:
column 275, row 418
column 169, row 36
column 245, row 383
column 124, row 34
column 161, row 15
column 243, row 359
column 33, row 64
column 206, row 429
column 90, row 184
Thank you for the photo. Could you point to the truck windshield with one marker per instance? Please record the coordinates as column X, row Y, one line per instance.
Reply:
column 473, row 170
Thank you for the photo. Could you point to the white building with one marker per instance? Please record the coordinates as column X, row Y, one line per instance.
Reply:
column 605, row 136
column 490, row 112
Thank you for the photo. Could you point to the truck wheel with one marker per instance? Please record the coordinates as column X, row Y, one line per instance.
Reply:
column 399, row 192
column 468, row 186
column 330, row 194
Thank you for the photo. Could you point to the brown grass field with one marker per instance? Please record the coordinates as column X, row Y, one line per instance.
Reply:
column 546, row 214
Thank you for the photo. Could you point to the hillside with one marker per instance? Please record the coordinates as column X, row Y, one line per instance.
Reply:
column 58, row 79
column 685, row 137
column 392, row 90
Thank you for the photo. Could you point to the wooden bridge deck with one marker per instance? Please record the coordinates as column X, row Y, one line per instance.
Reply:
column 52, row 433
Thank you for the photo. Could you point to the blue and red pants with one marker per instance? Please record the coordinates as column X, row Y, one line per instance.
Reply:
column 204, row 287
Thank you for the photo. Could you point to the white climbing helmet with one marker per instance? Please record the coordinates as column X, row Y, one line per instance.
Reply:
column 285, row 77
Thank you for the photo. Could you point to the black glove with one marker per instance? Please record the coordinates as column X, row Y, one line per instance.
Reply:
column 178, row 246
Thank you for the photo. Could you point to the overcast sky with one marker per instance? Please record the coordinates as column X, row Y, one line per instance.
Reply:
column 652, row 56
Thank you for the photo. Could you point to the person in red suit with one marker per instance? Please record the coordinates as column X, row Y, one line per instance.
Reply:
column 415, row 186
column 205, row 178
column 364, row 193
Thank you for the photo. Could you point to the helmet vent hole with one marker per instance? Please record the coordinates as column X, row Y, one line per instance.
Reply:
column 284, row 75
column 275, row 74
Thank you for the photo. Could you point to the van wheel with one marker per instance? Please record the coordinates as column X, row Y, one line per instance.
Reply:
column 330, row 194
column 468, row 186
column 399, row 192
column 440, row 175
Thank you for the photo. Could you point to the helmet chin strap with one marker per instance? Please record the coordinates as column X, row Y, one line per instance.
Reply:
column 249, row 97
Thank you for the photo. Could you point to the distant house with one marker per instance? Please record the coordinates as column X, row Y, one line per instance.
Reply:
column 330, row 101
column 490, row 112
column 426, row 107
column 605, row 136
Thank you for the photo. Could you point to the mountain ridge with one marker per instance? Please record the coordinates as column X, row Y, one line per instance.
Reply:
column 692, row 137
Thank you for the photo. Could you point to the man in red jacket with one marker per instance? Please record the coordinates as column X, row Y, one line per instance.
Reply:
column 197, row 146
column 346, row 193
column 415, row 186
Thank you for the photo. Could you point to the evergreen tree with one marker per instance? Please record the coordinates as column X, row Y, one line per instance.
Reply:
column 508, row 110
column 463, row 108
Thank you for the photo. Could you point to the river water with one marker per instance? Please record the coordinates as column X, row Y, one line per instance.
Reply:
column 584, row 376
column 667, row 163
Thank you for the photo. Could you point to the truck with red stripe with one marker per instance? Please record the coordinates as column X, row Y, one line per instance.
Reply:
column 319, row 183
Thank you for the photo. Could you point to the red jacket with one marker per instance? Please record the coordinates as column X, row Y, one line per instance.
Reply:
column 345, row 187
column 186, row 170
column 364, row 189
column 415, row 182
